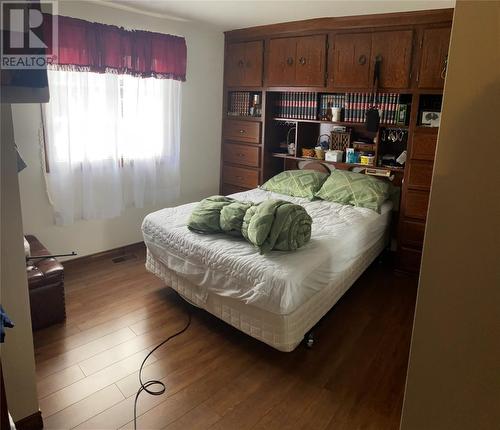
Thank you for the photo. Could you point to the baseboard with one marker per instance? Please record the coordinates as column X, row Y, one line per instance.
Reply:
column 31, row 422
column 103, row 255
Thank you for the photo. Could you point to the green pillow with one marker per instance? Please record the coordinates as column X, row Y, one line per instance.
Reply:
column 297, row 183
column 356, row 189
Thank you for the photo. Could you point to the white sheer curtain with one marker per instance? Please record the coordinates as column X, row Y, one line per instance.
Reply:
column 112, row 141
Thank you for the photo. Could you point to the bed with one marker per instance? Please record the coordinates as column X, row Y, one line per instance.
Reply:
column 276, row 298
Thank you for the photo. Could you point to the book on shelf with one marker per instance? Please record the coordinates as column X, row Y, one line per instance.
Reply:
column 296, row 105
column 239, row 103
column 310, row 106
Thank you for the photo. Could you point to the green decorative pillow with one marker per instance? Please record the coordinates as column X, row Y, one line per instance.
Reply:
column 356, row 189
column 296, row 183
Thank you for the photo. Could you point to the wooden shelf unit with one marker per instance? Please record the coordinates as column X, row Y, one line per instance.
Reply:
column 336, row 55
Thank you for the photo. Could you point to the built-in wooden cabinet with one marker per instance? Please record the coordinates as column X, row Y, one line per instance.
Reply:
column 244, row 62
column 335, row 56
column 351, row 60
column 434, row 58
column 355, row 55
column 297, row 61
column 394, row 49
column 415, row 197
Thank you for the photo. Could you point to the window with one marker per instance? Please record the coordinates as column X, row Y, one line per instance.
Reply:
column 112, row 141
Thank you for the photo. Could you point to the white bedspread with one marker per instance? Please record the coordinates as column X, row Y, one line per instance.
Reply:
column 280, row 281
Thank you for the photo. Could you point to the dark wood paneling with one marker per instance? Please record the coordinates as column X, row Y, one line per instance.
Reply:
column 395, row 49
column 423, row 146
column 412, row 233
column 241, row 131
column 310, row 63
column 351, row 60
column 416, row 204
column 240, row 176
column 319, row 25
column 420, row 174
column 435, row 44
column 281, row 62
column 232, row 189
column 242, row 154
column 409, row 259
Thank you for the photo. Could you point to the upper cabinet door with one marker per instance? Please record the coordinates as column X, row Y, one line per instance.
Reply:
column 297, row 61
column 235, row 62
column 394, row 48
column 310, row 66
column 434, row 58
column 281, row 62
column 244, row 64
column 351, row 60
column 252, row 72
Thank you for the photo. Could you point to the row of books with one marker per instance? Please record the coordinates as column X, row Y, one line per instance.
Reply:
column 330, row 100
column 239, row 103
column 297, row 105
column 356, row 105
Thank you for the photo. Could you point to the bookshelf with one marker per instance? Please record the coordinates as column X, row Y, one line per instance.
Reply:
column 254, row 145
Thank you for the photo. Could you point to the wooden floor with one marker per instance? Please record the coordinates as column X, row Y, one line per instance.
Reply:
column 217, row 377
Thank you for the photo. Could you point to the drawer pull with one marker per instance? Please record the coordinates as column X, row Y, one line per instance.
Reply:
column 242, row 131
column 239, row 154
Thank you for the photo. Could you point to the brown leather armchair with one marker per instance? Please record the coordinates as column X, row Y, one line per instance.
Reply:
column 46, row 287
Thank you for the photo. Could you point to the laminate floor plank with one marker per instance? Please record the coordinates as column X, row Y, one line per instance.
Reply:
column 76, row 355
column 176, row 379
column 79, row 412
column 83, row 388
column 216, row 377
column 59, row 380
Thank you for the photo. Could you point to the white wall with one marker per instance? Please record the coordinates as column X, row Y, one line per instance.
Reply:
column 200, row 137
column 453, row 377
column 18, row 360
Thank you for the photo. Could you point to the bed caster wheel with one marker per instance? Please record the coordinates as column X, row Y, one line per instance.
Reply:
column 309, row 340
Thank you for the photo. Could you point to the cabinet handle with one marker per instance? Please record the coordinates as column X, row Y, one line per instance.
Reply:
column 302, row 60
column 289, row 61
column 241, row 63
column 445, row 67
column 242, row 131
column 362, row 60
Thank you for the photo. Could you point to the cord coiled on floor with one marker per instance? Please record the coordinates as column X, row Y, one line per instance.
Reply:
column 146, row 385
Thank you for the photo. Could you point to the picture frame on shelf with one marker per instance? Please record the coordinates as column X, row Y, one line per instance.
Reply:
column 430, row 118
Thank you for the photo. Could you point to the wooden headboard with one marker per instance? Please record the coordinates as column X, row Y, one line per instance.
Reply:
column 314, row 165
column 320, row 166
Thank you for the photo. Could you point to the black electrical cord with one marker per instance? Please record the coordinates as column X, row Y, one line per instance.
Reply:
column 145, row 386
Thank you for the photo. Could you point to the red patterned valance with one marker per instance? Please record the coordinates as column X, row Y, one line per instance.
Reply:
column 84, row 45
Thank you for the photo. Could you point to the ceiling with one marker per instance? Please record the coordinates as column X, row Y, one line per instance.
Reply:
column 233, row 14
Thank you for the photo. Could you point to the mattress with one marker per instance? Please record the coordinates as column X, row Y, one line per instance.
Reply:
column 283, row 332
column 278, row 283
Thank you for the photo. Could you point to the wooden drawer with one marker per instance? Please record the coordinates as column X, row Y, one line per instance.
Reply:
column 240, row 176
column 242, row 154
column 409, row 259
column 231, row 189
column 412, row 233
column 242, row 131
column 420, row 174
column 416, row 203
column 423, row 144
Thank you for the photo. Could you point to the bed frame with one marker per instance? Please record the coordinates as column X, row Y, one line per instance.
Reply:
column 283, row 332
